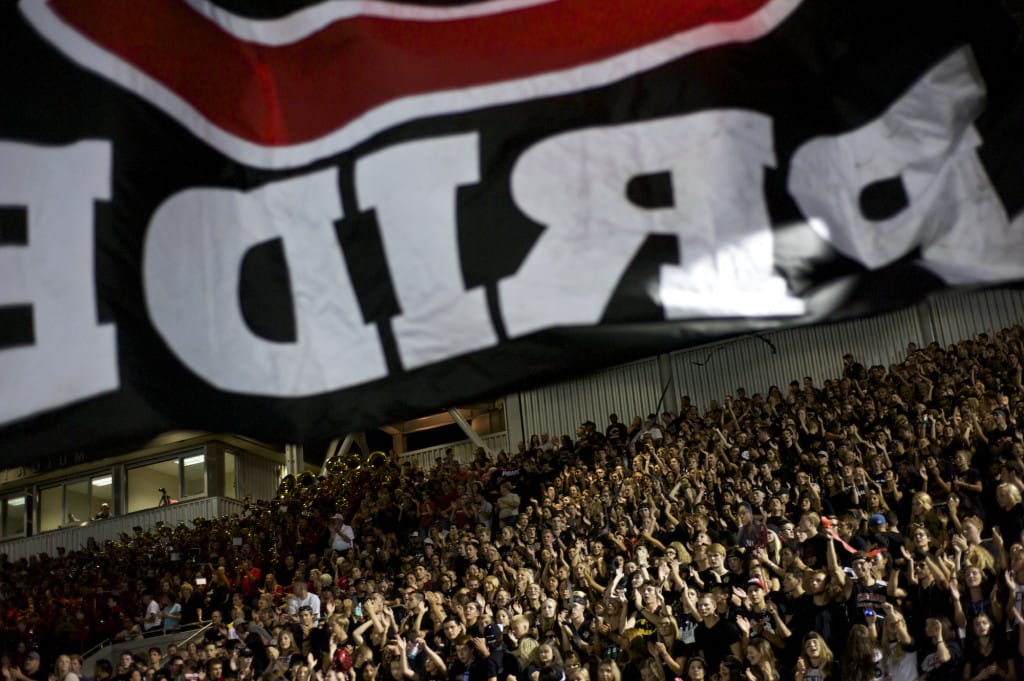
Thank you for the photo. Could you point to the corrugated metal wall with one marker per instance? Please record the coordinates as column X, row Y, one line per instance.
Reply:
column 627, row 390
column 778, row 357
column 761, row 360
column 258, row 476
column 957, row 316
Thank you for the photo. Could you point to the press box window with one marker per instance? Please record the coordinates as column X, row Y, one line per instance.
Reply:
column 14, row 516
column 167, row 482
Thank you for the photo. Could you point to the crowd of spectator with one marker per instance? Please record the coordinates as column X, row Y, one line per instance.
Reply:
column 870, row 527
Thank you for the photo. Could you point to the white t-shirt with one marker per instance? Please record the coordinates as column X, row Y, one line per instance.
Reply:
column 508, row 505
column 904, row 669
column 342, row 537
column 152, row 620
column 311, row 599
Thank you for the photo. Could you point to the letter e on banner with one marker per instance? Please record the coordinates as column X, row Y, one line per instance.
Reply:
column 72, row 357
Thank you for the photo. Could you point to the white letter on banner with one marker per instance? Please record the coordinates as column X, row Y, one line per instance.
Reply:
column 73, row 357
column 575, row 185
column 412, row 187
column 927, row 139
column 194, row 250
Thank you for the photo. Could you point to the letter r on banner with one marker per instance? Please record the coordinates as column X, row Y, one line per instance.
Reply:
column 575, row 185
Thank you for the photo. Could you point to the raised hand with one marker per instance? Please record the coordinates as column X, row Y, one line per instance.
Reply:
column 743, row 624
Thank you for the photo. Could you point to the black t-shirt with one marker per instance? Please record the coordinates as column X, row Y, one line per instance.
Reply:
column 831, row 622
column 716, row 642
column 1010, row 522
column 1001, row 655
column 190, row 609
column 456, row 671
column 865, row 597
column 932, row 671
column 688, row 633
column 38, row 675
column 813, row 551
column 709, row 579
column 481, row 669
column 677, row 650
column 760, row 621
column 616, row 432
column 970, row 502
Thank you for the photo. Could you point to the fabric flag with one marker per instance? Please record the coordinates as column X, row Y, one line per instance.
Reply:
column 295, row 224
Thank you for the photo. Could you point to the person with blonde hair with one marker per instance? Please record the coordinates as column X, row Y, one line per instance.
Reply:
column 972, row 528
column 545, row 655
column 1009, row 513
column 979, row 557
column 650, row 670
column 677, row 551
column 899, row 656
column 608, row 670
column 922, row 512
column 815, row 661
column 716, row 570
column 761, row 661
column 62, row 669
column 666, row 647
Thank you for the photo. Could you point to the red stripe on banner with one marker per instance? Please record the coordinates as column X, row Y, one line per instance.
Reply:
column 294, row 93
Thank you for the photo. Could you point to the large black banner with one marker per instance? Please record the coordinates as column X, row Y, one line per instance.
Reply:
column 300, row 223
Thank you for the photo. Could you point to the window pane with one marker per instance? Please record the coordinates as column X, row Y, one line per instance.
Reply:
column 194, row 478
column 145, row 483
column 51, row 508
column 230, row 481
column 76, row 501
column 14, row 516
column 102, row 493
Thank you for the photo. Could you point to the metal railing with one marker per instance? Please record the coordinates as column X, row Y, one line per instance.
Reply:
column 112, row 650
column 75, row 537
column 462, row 450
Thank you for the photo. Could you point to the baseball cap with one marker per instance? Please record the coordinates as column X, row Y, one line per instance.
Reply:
column 758, row 583
column 877, row 520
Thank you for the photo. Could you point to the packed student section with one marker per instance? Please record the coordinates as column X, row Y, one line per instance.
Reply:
column 865, row 527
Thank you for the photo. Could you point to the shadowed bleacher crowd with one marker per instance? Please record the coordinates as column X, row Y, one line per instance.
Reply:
column 869, row 526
